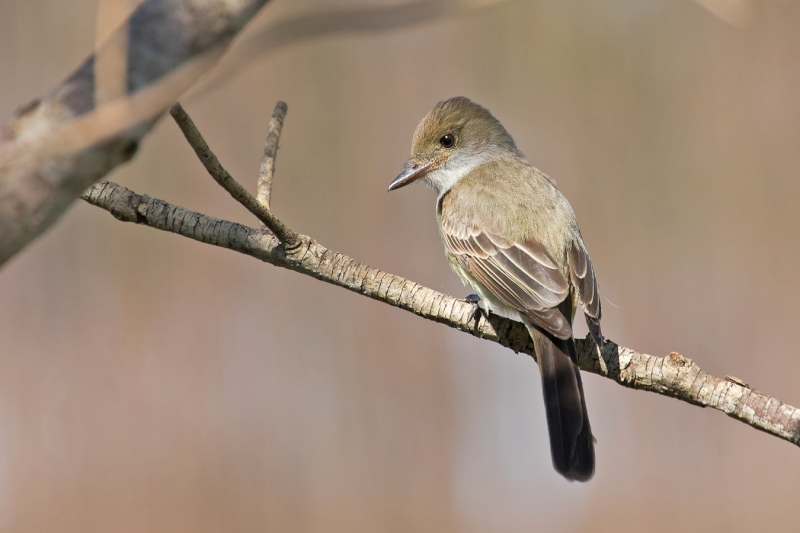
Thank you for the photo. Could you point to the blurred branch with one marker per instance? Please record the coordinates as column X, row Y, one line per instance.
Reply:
column 734, row 12
column 336, row 21
column 54, row 148
column 673, row 375
column 110, row 61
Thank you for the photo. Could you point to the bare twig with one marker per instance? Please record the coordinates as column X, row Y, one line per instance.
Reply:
column 270, row 151
column 226, row 181
column 673, row 375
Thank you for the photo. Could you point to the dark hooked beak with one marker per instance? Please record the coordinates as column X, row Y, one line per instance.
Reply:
column 410, row 173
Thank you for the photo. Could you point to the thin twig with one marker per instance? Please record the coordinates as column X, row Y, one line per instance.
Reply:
column 673, row 375
column 226, row 181
column 270, row 151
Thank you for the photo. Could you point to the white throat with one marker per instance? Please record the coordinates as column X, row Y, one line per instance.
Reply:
column 443, row 178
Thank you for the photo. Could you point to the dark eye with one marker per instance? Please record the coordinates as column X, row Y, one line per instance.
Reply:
column 447, row 141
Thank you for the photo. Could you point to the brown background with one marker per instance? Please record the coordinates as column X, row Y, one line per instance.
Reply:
column 151, row 383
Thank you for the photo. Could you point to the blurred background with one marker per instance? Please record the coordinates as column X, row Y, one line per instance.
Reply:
column 152, row 383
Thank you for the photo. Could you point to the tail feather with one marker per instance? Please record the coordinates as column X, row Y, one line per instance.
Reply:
column 571, row 441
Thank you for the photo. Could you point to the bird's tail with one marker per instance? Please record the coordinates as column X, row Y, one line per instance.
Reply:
column 571, row 441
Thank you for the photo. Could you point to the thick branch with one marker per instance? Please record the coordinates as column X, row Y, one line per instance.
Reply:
column 673, row 375
column 54, row 148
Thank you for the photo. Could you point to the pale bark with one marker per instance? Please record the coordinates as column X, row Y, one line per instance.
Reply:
column 267, row 169
column 673, row 375
column 56, row 147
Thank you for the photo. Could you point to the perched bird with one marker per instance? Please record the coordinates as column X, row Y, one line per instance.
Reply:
column 510, row 234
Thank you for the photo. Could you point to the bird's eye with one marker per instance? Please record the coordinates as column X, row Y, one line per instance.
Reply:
column 447, row 141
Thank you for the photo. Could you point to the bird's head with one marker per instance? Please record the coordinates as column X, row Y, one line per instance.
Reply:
column 453, row 139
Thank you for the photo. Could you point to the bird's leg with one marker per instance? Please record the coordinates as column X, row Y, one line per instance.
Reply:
column 478, row 310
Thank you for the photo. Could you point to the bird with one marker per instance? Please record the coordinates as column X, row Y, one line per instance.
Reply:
column 512, row 236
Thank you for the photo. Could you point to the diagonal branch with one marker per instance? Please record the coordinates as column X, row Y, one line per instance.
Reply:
column 55, row 147
column 92, row 122
column 225, row 180
column 337, row 20
column 673, row 375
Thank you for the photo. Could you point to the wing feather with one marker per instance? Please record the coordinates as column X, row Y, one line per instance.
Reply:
column 581, row 273
column 545, row 295
column 548, row 277
column 523, row 276
column 582, row 276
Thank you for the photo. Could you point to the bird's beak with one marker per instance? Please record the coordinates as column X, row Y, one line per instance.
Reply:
column 410, row 173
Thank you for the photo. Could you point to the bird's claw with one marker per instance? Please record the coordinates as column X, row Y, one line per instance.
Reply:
column 477, row 310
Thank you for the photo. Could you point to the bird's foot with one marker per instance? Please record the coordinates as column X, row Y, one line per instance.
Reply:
column 477, row 310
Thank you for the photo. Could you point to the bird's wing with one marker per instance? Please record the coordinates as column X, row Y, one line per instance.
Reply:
column 523, row 276
column 581, row 274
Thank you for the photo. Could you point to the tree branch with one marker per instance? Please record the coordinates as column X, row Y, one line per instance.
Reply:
column 270, row 152
column 225, row 180
column 346, row 20
column 673, row 375
column 56, row 147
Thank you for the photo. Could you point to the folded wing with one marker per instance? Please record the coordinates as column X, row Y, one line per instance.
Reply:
column 523, row 276
column 581, row 273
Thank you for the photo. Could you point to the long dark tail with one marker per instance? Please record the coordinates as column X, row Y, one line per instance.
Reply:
column 571, row 441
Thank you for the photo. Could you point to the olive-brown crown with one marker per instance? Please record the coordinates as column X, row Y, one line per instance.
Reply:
column 459, row 126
